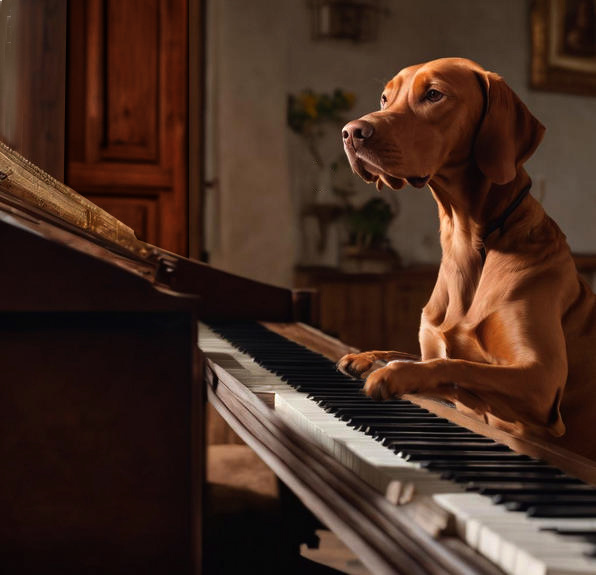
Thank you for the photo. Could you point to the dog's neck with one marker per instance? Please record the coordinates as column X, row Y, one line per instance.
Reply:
column 469, row 205
column 469, row 195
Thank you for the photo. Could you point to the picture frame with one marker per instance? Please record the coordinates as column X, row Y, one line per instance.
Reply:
column 563, row 34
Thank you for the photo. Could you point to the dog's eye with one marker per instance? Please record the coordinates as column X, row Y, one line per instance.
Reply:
column 383, row 100
column 433, row 95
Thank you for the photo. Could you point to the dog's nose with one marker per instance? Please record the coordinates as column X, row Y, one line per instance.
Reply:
column 358, row 131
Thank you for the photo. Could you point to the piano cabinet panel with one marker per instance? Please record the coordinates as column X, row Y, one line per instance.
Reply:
column 100, row 435
column 371, row 311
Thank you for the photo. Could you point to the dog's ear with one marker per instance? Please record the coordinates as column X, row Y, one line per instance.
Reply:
column 508, row 134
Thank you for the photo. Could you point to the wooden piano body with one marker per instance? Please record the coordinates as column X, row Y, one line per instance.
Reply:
column 101, row 394
column 102, row 401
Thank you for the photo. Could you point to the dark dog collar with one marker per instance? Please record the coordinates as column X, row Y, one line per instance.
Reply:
column 499, row 223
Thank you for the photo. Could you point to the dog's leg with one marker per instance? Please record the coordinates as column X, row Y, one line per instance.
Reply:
column 529, row 394
column 355, row 364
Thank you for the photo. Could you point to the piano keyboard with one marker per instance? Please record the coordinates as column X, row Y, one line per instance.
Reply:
column 527, row 517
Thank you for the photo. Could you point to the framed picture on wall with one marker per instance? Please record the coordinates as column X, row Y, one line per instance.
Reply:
column 564, row 46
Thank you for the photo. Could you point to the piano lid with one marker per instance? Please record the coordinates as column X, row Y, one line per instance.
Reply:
column 23, row 182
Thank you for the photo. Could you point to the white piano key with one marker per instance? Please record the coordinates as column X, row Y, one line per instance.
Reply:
column 516, row 542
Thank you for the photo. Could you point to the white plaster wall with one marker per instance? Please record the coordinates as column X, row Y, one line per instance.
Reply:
column 265, row 52
column 251, row 220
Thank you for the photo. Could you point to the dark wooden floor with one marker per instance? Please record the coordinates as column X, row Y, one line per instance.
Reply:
column 250, row 527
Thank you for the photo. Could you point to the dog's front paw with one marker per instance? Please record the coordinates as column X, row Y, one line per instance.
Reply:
column 394, row 380
column 355, row 364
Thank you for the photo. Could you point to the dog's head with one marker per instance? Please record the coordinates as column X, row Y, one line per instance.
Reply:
column 442, row 114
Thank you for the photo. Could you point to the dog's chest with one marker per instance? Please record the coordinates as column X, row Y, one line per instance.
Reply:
column 461, row 331
column 460, row 313
column 457, row 342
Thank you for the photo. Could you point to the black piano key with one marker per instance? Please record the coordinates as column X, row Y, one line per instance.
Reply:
column 393, row 415
column 292, row 359
column 422, row 430
column 388, row 439
column 313, row 375
column 350, row 392
column 359, row 397
column 348, row 387
column 313, row 385
column 570, row 531
column 393, row 409
column 522, row 502
column 411, row 451
column 303, row 365
column 587, row 535
column 431, row 436
column 308, row 388
column 357, row 401
column 461, row 455
column 371, row 407
column 424, row 443
column 364, row 403
column 363, row 427
column 319, row 383
column 305, row 371
column 456, row 466
column 427, row 425
column 521, row 488
column 383, row 415
column 307, row 376
column 547, row 475
column 532, row 491
column 555, row 511
column 384, row 419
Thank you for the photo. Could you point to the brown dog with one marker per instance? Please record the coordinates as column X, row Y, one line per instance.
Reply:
column 510, row 329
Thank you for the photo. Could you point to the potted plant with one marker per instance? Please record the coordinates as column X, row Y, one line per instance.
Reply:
column 368, row 248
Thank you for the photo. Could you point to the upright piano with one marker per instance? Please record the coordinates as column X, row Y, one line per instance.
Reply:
column 109, row 349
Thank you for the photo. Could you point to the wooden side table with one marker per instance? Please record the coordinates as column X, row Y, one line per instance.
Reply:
column 371, row 311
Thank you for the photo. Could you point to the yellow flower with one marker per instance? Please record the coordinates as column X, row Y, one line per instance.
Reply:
column 309, row 104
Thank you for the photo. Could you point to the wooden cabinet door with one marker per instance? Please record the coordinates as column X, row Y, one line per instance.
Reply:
column 127, row 113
